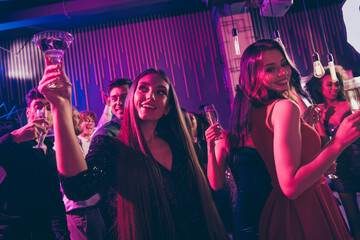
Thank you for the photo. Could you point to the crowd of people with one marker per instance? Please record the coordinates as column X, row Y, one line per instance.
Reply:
column 149, row 169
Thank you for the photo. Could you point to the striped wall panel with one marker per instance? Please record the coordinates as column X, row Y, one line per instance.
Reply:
column 183, row 45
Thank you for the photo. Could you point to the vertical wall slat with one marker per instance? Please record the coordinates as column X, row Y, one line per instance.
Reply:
column 169, row 49
column 212, row 51
column 197, row 44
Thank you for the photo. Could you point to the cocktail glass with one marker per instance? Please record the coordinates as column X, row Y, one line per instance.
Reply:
column 53, row 44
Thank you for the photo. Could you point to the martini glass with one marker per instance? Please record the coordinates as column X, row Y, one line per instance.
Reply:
column 53, row 44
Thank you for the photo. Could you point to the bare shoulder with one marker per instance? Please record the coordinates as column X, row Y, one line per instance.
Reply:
column 283, row 113
column 286, row 107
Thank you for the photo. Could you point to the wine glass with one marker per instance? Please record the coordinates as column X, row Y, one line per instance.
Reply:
column 41, row 114
column 212, row 116
column 53, row 44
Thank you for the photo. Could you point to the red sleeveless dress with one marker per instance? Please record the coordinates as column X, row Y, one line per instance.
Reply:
column 314, row 215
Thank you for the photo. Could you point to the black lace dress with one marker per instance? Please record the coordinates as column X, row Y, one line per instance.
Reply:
column 178, row 184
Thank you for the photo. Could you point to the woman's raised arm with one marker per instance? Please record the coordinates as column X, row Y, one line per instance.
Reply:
column 69, row 158
column 293, row 179
column 217, row 154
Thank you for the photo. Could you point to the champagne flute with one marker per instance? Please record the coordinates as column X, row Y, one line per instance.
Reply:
column 352, row 91
column 212, row 116
column 41, row 114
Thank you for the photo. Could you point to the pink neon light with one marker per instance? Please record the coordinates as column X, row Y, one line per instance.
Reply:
column 200, row 23
column 176, row 39
column 153, row 47
column 199, row 47
column 139, row 35
column 187, row 34
column 212, row 54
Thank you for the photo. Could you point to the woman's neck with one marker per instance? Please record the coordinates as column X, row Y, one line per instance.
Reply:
column 148, row 129
column 333, row 103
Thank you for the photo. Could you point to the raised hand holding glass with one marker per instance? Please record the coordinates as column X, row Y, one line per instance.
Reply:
column 212, row 116
column 53, row 44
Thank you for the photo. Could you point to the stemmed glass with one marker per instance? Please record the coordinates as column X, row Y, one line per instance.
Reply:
column 53, row 43
column 212, row 116
column 41, row 114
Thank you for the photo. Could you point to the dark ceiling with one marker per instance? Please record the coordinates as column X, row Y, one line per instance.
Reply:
column 26, row 17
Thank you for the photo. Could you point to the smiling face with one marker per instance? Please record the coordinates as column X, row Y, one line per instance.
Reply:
column 87, row 125
column 151, row 97
column 330, row 89
column 117, row 100
column 275, row 71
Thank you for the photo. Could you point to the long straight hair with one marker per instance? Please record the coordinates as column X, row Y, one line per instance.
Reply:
column 251, row 92
column 171, row 128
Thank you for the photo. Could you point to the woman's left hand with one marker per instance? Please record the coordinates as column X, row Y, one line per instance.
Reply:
column 312, row 115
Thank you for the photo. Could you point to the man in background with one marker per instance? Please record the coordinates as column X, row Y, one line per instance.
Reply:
column 118, row 90
column 84, row 218
column 31, row 205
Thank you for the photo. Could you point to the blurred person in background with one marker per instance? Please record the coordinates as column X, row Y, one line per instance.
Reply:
column 118, row 90
column 89, row 120
column 329, row 97
column 85, row 221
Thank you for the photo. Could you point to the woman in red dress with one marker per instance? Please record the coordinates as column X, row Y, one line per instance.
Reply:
column 300, row 205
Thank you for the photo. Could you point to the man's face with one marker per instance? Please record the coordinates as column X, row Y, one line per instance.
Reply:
column 77, row 120
column 117, row 100
column 39, row 104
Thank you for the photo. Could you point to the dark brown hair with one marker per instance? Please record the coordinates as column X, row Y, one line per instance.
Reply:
column 90, row 114
column 118, row 82
column 33, row 94
column 135, row 216
column 251, row 92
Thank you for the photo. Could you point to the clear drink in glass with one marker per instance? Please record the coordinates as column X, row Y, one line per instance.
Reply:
column 352, row 92
column 53, row 44
column 211, row 115
column 41, row 113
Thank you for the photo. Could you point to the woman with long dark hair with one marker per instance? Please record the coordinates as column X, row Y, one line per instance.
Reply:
column 252, row 181
column 300, row 205
column 160, row 188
